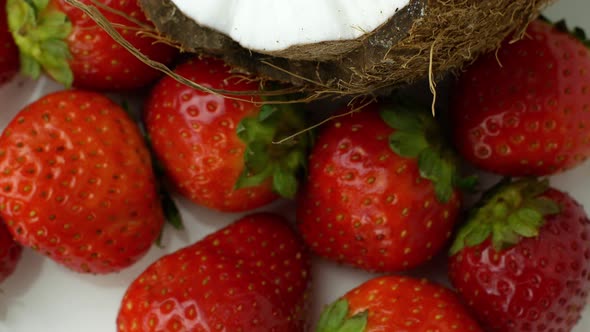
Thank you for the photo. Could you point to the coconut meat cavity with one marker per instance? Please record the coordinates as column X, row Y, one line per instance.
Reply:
column 274, row 25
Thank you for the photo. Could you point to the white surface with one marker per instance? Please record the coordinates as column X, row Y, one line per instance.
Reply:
column 43, row 297
column 271, row 25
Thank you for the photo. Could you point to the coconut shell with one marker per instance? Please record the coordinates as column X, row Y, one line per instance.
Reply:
column 427, row 36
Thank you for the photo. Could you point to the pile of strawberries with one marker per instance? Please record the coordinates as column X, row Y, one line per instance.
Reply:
column 382, row 189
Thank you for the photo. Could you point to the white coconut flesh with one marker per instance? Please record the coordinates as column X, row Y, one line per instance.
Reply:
column 274, row 25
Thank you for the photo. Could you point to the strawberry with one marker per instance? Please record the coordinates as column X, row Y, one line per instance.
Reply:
column 9, row 62
column 252, row 275
column 380, row 193
column 396, row 303
column 76, row 182
column 522, row 261
column 525, row 110
column 10, row 253
column 67, row 44
column 218, row 151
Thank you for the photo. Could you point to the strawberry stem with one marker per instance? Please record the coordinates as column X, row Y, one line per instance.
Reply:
column 562, row 26
column 40, row 32
column 335, row 319
column 282, row 162
column 171, row 211
column 508, row 212
column 417, row 135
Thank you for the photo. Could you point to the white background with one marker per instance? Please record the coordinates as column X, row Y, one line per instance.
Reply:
column 43, row 297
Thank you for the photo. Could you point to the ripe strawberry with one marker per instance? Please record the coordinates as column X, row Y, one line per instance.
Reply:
column 522, row 261
column 395, row 303
column 9, row 62
column 76, row 182
column 380, row 193
column 220, row 152
column 251, row 276
column 10, row 253
column 525, row 110
column 61, row 40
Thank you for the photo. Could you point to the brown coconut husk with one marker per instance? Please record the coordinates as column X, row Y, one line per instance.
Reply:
column 427, row 38
column 196, row 38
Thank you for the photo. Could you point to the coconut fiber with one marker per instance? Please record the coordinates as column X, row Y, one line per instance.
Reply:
column 426, row 37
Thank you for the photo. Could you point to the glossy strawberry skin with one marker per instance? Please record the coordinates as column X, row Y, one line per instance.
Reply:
column 9, row 61
column 76, row 182
column 525, row 110
column 364, row 205
column 99, row 62
column 396, row 303
column 541, row 284
column 10, row 253
column 193, row 134
column 251, row 276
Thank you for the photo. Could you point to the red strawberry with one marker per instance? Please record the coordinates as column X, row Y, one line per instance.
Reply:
column 76, row 182
column 525, row 110
column 68, row 45
column 9, row 62
column 251, row 276
column 220, row 152
column 395, row 303
column 380, row 193
column 522, row 261
column 10, row 253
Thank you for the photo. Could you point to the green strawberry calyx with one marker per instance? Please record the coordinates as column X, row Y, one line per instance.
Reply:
column 40, row 31
column 277, row 146
column 562, row 26
column 418, row 135
column 335, row 318
column 169, row 208
column 507, row 213
column 577, row 32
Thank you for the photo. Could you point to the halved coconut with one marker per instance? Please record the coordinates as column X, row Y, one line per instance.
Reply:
column 342, row 46
column 300, row 30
